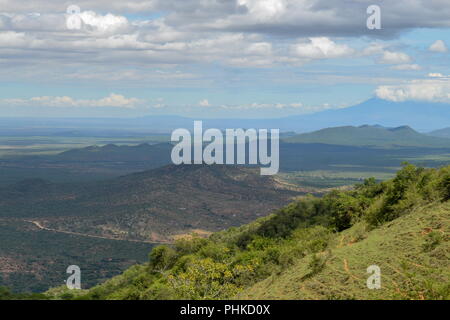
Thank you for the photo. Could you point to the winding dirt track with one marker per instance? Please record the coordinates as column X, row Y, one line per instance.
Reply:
column 41, row 227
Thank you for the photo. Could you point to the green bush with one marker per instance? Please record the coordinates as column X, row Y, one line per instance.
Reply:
column 412, row 187
column 444, row 184
column 162, row 258
column 316, row 265
column 432, row 240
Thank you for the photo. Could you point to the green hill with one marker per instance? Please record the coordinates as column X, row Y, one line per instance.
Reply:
column 314, row 248
column 371, row 136
column 414, row 263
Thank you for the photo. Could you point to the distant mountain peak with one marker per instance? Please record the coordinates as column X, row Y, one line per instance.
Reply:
column 403, row 128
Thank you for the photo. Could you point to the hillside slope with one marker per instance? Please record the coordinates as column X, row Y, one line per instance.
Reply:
column 409, row 269
column 153, row 205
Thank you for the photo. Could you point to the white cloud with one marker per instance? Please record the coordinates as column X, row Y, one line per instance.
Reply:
column 400, row 60
column 189, row 36
column 108, row 23
column 435, row 75
column 264, row 10
column 405, row 67
column 374, row 48
column 204, row 103
column 259, row 49
column 431, row 90
column 438, row 46
column 390, row 57
column 321, row 48
column 294, row 18
column 113, row 100
column 297, row 107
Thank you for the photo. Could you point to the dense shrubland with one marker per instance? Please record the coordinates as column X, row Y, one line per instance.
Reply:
column 6, row 294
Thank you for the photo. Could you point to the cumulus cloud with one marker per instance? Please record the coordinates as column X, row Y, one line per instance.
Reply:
column 390, row 57
column 113, row 100
column 321, row 48
column 438, row 46
column 431, row 90
column 172, row 41
column 264, row 10
column 233, row 33
column 108, row 23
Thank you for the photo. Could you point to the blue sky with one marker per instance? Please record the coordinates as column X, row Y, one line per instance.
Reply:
column 237, row 58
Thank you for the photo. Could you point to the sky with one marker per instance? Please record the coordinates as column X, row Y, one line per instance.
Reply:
column 218, row 58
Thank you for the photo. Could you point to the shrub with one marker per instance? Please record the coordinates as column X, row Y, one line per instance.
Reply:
column 204, row 279
column 162, row 258
column 444, row 183
column 345, row 208
column 401, row 195
column 316, row 265
column 432, row 240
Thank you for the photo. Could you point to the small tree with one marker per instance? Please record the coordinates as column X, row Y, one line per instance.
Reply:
column 162, row 259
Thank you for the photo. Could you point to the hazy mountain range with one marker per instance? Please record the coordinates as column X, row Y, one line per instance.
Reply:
column 422, row 116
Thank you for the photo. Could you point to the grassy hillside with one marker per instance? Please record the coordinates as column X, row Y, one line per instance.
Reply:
column 370, row 136
column 314, row 248
column 411, row 251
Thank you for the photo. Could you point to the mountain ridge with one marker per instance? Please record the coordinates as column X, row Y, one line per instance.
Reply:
column 367, row 135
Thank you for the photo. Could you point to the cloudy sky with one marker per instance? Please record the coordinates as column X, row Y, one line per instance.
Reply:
column 218, row 58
